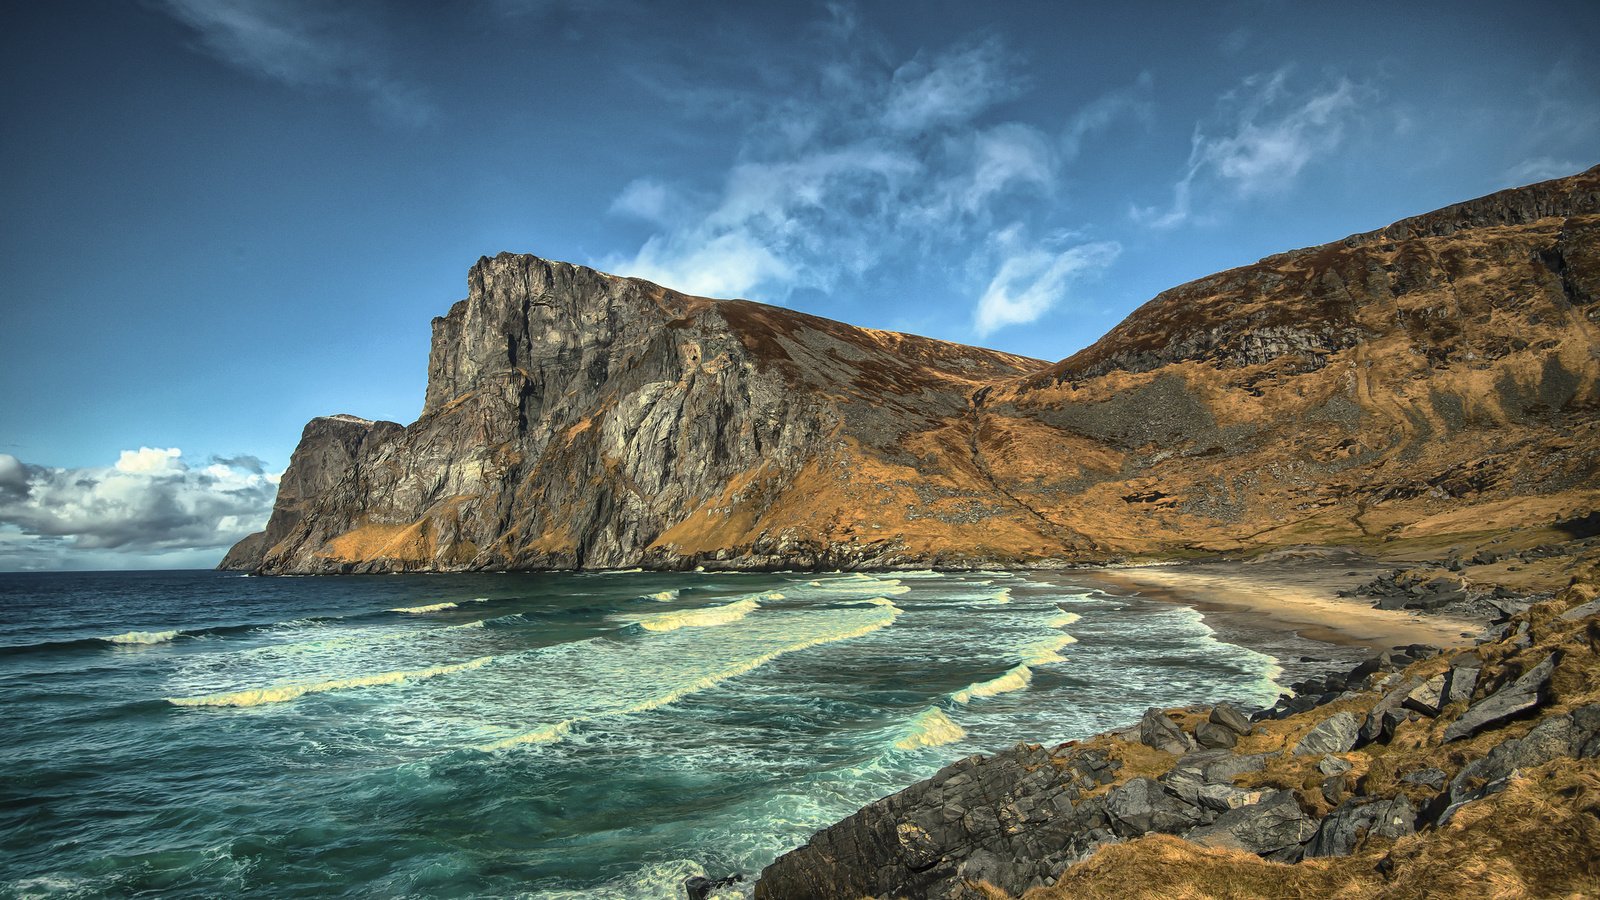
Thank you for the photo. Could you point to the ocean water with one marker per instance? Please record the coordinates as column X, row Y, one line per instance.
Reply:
column 553, row 735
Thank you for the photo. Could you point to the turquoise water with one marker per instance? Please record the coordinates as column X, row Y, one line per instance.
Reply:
column 552, row 735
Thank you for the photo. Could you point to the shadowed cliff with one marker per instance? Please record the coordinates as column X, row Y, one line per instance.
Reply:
column 1437, row 377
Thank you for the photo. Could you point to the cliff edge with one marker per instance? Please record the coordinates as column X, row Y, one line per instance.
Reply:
column 1439, row 376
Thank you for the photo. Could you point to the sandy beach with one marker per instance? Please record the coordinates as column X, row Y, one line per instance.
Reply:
column 1297, row 594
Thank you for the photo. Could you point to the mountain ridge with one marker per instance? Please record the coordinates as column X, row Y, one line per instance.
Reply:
column 580, row 420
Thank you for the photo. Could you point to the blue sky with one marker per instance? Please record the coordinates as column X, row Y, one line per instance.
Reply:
column 224, row 217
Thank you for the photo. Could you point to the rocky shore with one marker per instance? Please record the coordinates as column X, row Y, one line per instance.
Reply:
column 1420, row 772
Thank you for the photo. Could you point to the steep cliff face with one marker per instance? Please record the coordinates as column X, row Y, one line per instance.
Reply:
column 1434, row 377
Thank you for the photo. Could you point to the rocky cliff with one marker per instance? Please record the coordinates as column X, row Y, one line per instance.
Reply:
column 1435, row 377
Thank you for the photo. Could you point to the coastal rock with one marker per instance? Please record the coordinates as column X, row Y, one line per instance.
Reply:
column 1521, row 695
column 1275, row 823
column 1228, row 716
column 1161, row 733
column 1335, row 734
column 1427, row 698
column 1354, row 821
column 1213, row 736
column 1373, row 727
column 1141, row 806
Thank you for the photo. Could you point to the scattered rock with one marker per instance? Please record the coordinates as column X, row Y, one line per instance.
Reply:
column 1335, row 734
column 1228, row 716
column 1141, row 806
column 1333, row 765
column 1161, row 733
column 1213, row 736
column 1428, row 697
column 1521, row 695
column 1355, row 820
column 1372, row 728
column 1275, row 823
column 1460, row 681
column 699, row 887
column 1430, row 777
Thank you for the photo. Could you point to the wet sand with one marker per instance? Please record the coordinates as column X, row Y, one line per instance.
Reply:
column 1298, row 595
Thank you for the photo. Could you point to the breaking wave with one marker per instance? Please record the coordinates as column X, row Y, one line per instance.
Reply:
column 555, row 732
column 1014, row 680
column 1001, row 596
column 284, row 692
column 857, row 584
column 664, row 596
column 142, row 637
column 1048, row 651
column 931, row 728
column 436, row 607
column 700, row 618
column 1063, row 620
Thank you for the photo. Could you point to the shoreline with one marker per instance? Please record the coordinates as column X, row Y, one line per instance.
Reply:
column 1297, row 596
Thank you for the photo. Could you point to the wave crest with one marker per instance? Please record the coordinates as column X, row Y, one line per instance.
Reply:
column 141, row 638
column 1013, row 680
column 707, row 617
column 931, row 728
column 284, row 692
column 1048, row 651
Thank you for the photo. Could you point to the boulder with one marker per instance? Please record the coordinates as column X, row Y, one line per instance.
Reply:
column 1372, row 728
column 1161, row 733
column 1333, row 765
column 1213, row 736
column 1582, row 612
column 1275, row 823
column 1355, row 820
column 1517, row 697
column 1228, row 716
column 1428, row 697
column 1223, row 797
column 1459, row 683
column 1140, row 806
column 1430, row 777
column 1575, row 735
column 1335, row 734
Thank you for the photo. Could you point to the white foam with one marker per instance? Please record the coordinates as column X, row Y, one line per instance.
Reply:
column 664, row 596
column 1013, row 680
column 931, row 728
column 431, row 607
column 1048, row 651
column 1065, row 619
column 701, row 618
column 284, row 692
column 549, row 733
column 143, row 638
column 1001, row 596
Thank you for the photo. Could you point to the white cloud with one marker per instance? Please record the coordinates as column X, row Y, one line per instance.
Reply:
column 950, row 89
column 1269, row 135
column 149, row 502
column 859, row 160
column 1099, row 114
column 1034, row 277
column 1542, row 168
column 305, row 44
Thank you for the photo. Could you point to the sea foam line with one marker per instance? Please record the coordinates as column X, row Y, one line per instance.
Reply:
column 931, row 728
column 141, row 638
column 1048, row 650
column 436, row 607
column 283, row 692
column 1063, row 620
column 557, row 731
column 1013, row 680
column 707, row 617
column 663, row 596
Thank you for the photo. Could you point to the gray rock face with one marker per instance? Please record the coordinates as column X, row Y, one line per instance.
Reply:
column 1229, row 717
column 1427, row 698
column 573, row 419
column 1142, row 805
column 1213, row 736
column 1372, row 728
column 1521, row 695
column 1015, row 818
column 1355, row 820
column 1335, row 734
column 1276, row 823
column 1161, row 733
column 1459, row 683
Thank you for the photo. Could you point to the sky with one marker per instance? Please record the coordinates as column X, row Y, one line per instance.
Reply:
column 224, row 217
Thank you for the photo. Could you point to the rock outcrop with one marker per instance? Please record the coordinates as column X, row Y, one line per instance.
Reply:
column 1041, row 821
column 1438, row 376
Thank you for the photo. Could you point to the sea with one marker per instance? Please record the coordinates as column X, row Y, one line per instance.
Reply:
column 552, row 735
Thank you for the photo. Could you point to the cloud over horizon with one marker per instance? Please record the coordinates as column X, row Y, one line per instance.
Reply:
column 150, row 503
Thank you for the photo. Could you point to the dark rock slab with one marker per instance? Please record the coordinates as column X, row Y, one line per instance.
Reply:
column 1428, row 697
column 1459, row 683
column 1213, row 736
column 1518, row 697
column 1372, row 728
column 1228, row 716
column 1161, row 733
column 1141, row 806
column 1275, row 823
column 1335, row 734
column 1355, row 820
